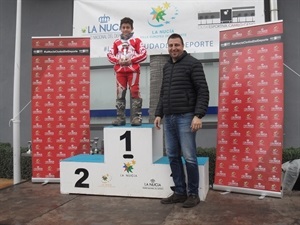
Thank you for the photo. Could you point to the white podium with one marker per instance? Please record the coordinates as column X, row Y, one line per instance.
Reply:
column 132, row 165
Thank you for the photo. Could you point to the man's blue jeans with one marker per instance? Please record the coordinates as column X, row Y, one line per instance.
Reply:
column 181, row 141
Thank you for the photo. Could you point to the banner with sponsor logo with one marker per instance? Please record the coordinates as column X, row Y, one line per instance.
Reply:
column 60, row 102
column 250, row 117
column 199, row 22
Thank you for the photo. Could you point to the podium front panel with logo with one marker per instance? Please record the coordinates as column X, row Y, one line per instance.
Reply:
column 133, row 164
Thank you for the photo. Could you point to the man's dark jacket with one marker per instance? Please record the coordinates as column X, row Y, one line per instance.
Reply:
column 184, row 88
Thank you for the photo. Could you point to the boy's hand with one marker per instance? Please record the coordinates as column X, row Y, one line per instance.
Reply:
column 125, row 62
column 122, row 62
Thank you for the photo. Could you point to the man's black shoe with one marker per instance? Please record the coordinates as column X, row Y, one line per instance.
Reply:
column 174, row 198
column 191, row 201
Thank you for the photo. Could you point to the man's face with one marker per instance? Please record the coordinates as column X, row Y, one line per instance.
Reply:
column 175, row 48
column 126, row 29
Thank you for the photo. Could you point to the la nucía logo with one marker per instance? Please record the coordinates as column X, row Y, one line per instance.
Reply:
column 163, row 15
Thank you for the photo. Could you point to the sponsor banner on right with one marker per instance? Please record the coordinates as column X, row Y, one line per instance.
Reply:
column 250, row 116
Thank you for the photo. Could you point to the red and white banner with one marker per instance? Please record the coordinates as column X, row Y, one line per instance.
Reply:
column 250, row 113
column 60, row 102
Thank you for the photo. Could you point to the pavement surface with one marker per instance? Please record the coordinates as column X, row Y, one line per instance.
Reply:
column 36, row 204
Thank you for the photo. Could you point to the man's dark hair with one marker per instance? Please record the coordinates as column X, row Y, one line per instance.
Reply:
column 127, row 20
column 172, row 36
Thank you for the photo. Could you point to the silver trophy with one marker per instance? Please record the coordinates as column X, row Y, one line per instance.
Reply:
column 91, row 147
column 102, row 147
column 124, row 51
column 96, row 149
column 29, row 147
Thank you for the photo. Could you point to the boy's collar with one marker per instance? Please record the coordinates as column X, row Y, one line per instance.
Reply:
column 126, row 37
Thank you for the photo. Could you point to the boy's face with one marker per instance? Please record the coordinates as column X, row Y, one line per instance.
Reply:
column 126, row 29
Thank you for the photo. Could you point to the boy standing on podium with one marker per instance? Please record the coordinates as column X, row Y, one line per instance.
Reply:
column 126, row 54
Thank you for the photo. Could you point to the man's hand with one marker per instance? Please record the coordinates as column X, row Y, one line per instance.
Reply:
column 196, row 124
column 157, row 122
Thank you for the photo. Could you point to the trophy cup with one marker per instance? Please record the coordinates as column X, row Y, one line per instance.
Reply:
column 102, row 147
column 91, row 147
column 28, row 147
column 124, row 51
column 96, row 150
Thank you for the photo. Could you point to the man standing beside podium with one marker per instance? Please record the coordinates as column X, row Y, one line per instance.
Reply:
column 183, row 101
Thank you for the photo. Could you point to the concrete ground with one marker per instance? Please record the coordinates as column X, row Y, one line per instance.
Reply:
column 35, row 204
